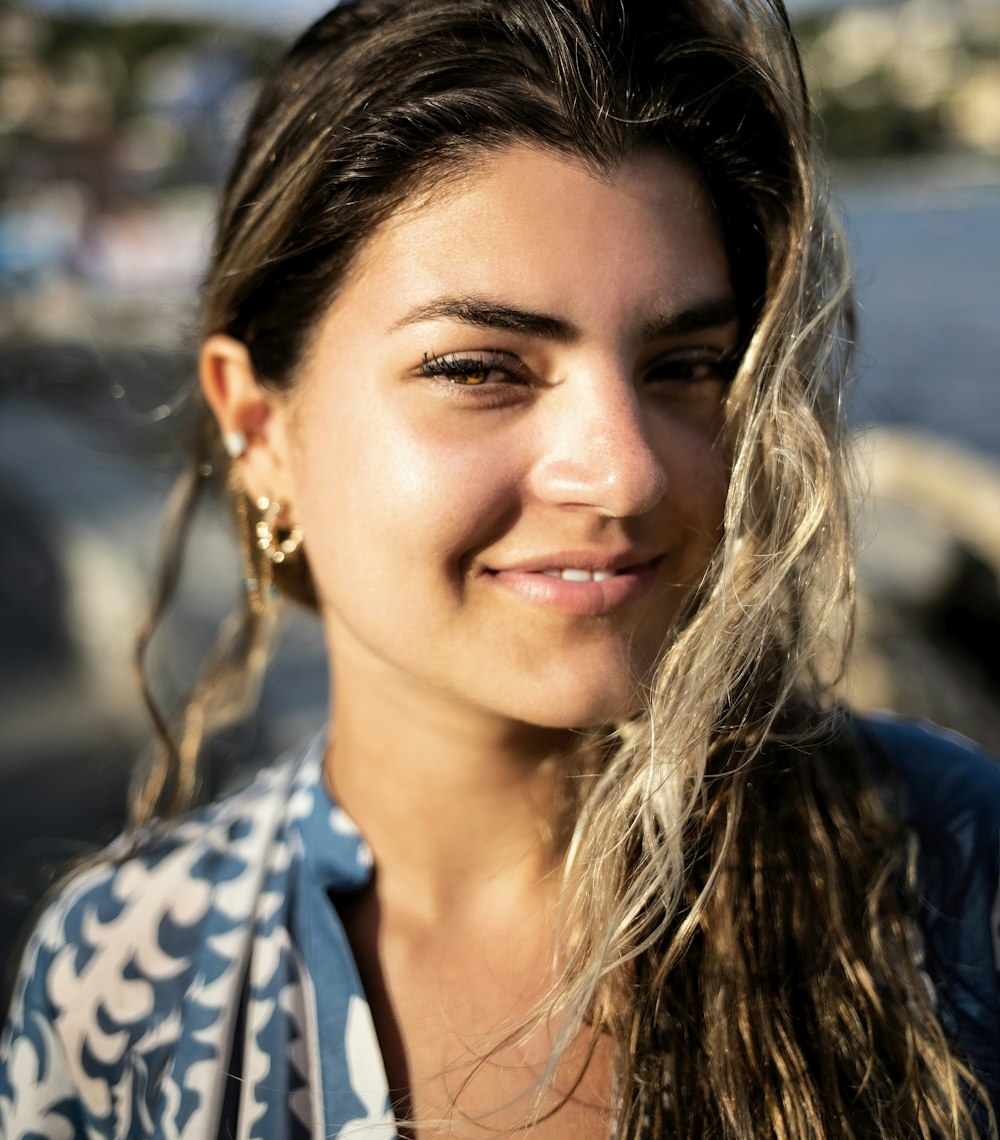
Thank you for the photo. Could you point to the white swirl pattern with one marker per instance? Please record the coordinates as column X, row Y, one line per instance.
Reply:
column 167, row 995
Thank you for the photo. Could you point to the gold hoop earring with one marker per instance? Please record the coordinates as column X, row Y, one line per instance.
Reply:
column 275, row 549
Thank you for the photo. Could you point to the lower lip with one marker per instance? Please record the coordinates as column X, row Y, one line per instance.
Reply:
column 587, row 599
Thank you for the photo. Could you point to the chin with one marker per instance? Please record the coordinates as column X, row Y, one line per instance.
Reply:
column 577, row 711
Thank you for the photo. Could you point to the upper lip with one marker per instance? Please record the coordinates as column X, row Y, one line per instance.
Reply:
column 578, row 560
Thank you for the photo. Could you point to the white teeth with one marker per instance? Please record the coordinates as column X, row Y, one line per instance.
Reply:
column 580, row 575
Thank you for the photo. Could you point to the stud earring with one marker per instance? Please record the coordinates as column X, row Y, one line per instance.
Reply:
column 275, row 549
column 235, row 443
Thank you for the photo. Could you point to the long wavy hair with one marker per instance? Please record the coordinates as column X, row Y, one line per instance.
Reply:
column 734, row 913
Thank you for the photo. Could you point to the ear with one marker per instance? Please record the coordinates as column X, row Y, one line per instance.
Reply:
column 242, row 405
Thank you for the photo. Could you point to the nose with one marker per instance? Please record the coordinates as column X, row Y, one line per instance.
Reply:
column 596, row 449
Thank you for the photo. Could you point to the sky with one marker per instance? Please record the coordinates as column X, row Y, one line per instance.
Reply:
column 266, row 13
column 279, row 14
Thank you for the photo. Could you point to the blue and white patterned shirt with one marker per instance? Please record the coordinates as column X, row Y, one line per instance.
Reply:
column 172, row 994
column 204, row 987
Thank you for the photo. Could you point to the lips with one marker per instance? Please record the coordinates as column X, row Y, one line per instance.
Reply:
column 579, row 583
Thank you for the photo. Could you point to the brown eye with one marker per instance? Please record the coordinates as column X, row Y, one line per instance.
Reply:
column 692, row 367
column 472, row 372
column 469, row 379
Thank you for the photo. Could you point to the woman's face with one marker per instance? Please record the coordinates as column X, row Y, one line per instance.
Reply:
column 504, row 444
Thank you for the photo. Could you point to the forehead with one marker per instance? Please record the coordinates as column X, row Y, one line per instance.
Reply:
column 544, row 229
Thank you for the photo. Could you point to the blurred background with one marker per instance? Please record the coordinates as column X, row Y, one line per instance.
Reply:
column 117, row 120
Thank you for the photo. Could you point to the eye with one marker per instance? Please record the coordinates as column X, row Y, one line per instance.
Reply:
column 475, row 371
column 693, row 366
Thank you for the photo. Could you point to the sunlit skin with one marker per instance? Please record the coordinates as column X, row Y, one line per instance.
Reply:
column 522, row 374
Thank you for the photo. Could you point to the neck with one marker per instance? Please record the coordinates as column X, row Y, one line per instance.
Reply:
column 456, row 804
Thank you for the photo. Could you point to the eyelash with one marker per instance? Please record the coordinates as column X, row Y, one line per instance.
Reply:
column 682, row 366
column 452, row 367
column 712, row 363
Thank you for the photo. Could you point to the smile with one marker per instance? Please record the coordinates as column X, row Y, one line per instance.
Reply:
column 578, row 590
column 573, row 575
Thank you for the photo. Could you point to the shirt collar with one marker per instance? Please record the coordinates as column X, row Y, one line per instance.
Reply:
column 336, row 853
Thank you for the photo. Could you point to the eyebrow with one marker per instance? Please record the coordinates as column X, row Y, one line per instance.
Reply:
column 487, row 314
column 484, row 313
column 709, row 314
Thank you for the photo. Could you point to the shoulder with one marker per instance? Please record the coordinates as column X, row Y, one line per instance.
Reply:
column 947, row 787
column 948, row 794
column 920, row 747
column 135, row 959
column 173, row 880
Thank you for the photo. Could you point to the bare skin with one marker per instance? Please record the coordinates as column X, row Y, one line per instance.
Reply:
column 448, row 470
column 442, row 997
column 452, row 960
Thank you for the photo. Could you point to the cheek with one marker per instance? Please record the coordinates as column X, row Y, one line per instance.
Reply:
column 709, row 493
column 698, row 478
column 389, row 496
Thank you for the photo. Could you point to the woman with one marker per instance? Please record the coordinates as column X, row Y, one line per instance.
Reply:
column 523, row 344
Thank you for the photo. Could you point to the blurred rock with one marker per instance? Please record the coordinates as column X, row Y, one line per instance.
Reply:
column 929, row 600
